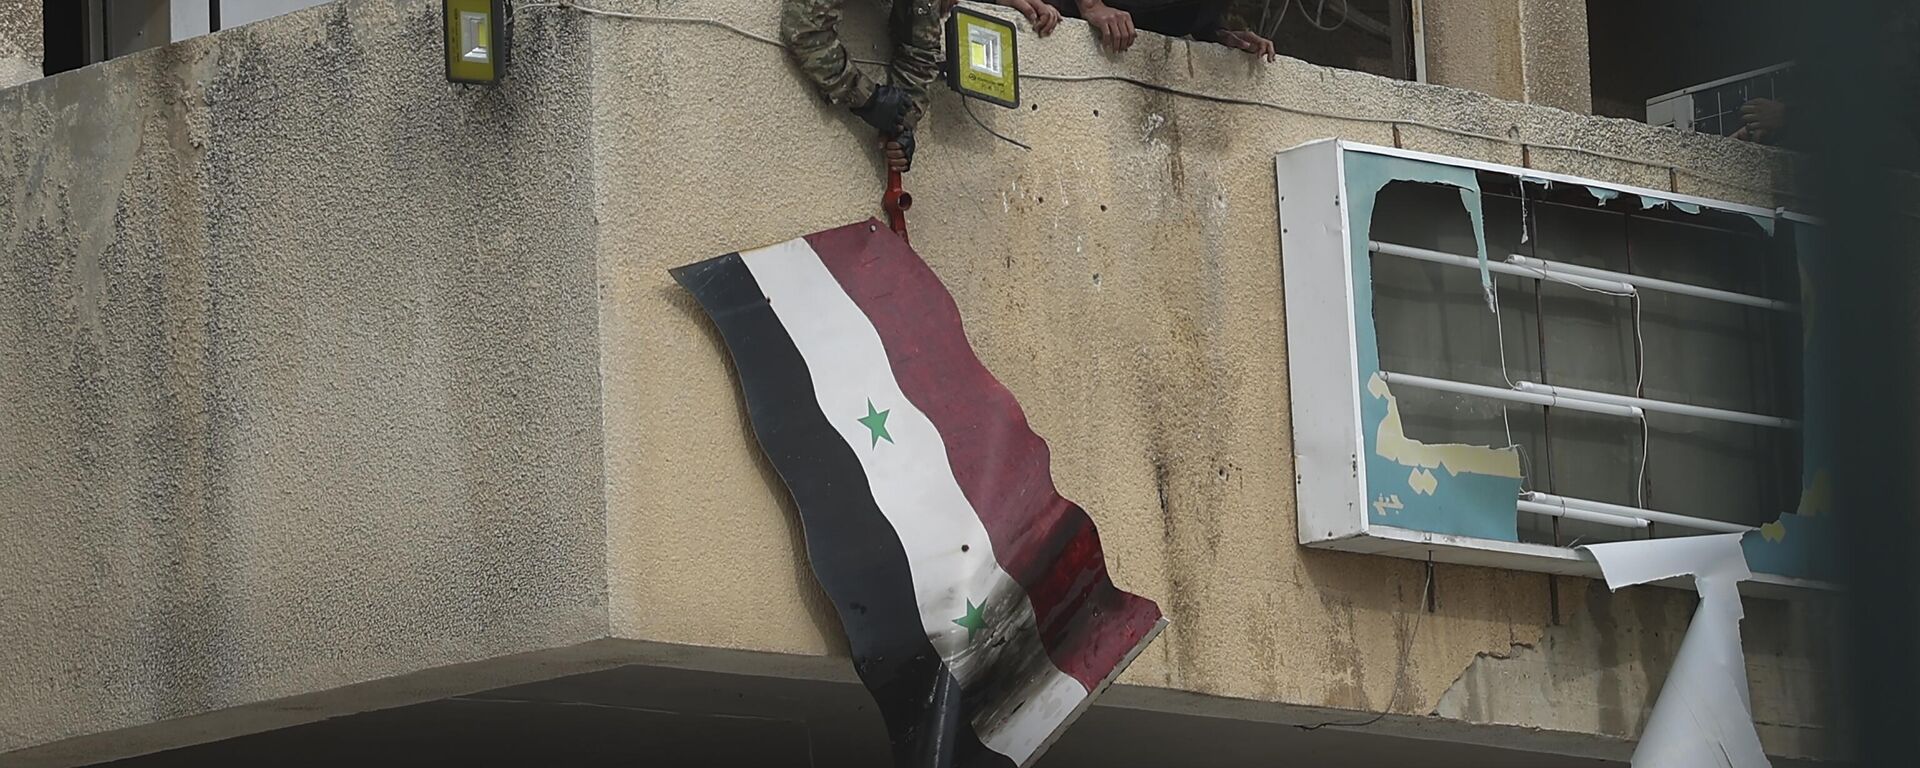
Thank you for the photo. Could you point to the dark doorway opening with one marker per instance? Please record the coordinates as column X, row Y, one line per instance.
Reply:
column 1641, row 49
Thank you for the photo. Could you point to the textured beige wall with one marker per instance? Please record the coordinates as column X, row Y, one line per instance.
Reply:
column 297, row 370
column 1524, row 50
column 1475, row 44
column 345, row 376
column 1122, row 280
column 21, row 41
column 1610, row 653
column 1553, row 36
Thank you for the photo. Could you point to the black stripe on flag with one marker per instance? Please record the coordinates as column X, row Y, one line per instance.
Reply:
column 853, row 549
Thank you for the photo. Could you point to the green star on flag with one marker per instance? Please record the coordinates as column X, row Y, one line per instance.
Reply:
column 876, row 423
column 973, row 621
column 822, row 324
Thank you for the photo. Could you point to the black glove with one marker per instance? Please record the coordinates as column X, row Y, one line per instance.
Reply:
column 886, row 111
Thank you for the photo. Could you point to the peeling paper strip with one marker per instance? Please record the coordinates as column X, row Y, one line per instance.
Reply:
column 1703, row 717
column 1649, row 202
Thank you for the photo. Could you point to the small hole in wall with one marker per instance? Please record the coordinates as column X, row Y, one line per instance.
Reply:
column 1096, row 113
column 1103, row 208
column 964, row 547
column 1096, row 279
column 1040, row 200
column 1035, row 107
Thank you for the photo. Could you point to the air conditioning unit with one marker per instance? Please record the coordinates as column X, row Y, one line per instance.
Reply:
column 1714, row 107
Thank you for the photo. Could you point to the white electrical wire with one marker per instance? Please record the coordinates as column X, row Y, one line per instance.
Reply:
column 1500, row 329
column 1640, row 352
column 1318, row 19
column 1269, row 31
column 1639, row 390
column 1640, row 480
column 1523, row 212
column 1549, row 277
column 1640, row 363
column 1394, row 121
column 1500, row 338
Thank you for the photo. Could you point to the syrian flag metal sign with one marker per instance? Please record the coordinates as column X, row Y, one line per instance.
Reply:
column 975, row 598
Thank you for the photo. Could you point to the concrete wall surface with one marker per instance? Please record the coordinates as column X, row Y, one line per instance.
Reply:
column 233, row 13
column 297, row 370
column 22, row 42
column 330, row 371
column 1525, row 50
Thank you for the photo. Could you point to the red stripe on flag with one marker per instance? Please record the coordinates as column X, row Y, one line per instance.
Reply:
column 1045, row 542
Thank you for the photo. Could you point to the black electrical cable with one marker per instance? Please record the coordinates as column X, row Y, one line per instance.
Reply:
column 1396, row 121
column 1405, row 652
column 967, row 104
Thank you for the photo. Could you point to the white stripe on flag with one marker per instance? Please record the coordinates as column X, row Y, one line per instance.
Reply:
column 947, row 547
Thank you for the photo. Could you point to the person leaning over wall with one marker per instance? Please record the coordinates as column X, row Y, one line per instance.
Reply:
column 1116, row 22
column 810, row 30
column 1043, row 17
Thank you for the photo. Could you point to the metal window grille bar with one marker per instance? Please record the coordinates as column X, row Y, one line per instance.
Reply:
column 1471, row 262
column 1510, row 395
column 1575, row 513
column 1654, row 283
column 1660, row 406
column 1625, row 406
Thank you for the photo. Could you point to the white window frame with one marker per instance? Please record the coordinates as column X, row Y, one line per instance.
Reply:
column 1323, row 363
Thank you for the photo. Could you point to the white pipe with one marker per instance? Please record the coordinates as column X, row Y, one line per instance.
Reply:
column 1511, row 395
column 1659, row 406
column 1457, row 260
column 1652, row 516
column 1653, row 283
column 1571, row 513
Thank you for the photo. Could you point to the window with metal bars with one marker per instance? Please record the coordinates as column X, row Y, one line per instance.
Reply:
column 1645, row 361
column 83, row 32
column 1373, row 36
